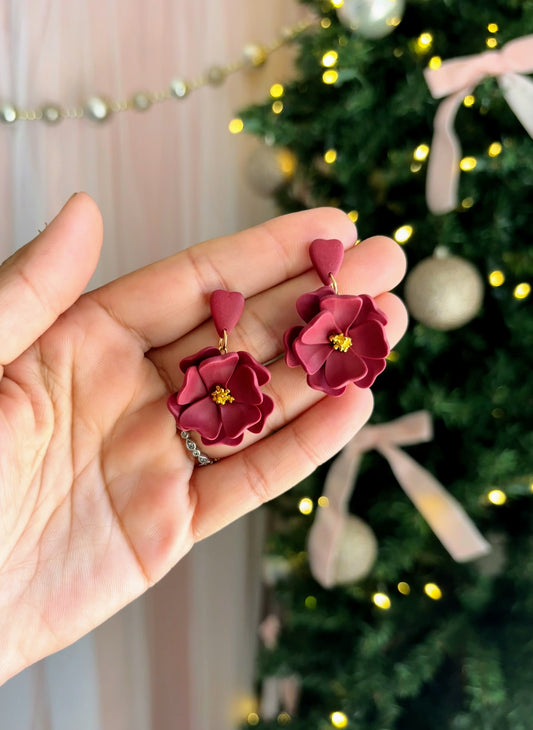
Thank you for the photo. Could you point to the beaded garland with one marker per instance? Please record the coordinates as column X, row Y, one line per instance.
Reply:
column 100, row 108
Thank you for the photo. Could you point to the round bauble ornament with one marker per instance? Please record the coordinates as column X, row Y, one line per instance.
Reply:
column 357, row 551
column 269, row 167
column 371, row 18
column 444, row 292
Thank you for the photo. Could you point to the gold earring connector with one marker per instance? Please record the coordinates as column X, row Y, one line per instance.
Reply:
column 223, row 344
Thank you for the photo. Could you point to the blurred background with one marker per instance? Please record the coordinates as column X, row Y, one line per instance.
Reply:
column 402, row 602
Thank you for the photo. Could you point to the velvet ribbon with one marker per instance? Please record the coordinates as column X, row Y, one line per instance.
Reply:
column 444, row 514
column 454, row 80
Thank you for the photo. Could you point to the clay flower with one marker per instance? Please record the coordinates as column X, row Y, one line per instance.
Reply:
column 342, row 342
column 221, row 397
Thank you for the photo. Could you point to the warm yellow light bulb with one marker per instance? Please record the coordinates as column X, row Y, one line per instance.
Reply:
column 469, row 100
column 353, row 215
column 467, row 203
column 276, row 90
column 338, row 719
column 467, row 164
column 404, row 588
column 491, row 42
column 286, row 161
column 403, row 234
column 337, row 3
column 236, row 125
column 277, row 107
column 495, row 149
column 325, row 23
column 323, row 502
column 433, row 591
column 496, row 278
column 330, row 156
column 253, row 719
column 521, row 291
column 284, row 718
column 424, row 42
column 421, row 152
column 330, row 76
column 305, row 506
column 493, row 27
column 381, row 600
column 497, row 497
column 329, row 59
column 435, row 62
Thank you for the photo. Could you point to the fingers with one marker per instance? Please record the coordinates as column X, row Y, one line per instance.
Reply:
column 374, row 266
column 273, row 465
column 43, row 279
column 164, row 301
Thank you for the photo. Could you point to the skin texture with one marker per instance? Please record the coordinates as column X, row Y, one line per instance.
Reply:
column 98, row 497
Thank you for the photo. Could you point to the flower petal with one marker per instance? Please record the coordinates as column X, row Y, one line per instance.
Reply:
column 368, row 340
column 308, row 305
column 312, row 357
column 244, row 387
column 202, row 416
column 262, row 373
column 173, row 406
column 193, row 388
column 291, row 358
column 317, row 381
column 218, row 370
column 197, row 358
column 344, row 309
column 237, row 417
column 375, row 367
column 370, row 310
column 223, row 439
column 343, row 368
column 317, row 332
column 266, row 408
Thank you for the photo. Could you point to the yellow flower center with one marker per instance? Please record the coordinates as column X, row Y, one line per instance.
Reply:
column 222, row 396
column 340, row 342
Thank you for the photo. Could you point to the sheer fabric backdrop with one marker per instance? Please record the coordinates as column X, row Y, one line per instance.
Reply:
column 180, row 657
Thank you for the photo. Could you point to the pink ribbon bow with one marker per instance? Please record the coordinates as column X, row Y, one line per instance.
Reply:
column 444, row 514
column 456, row 79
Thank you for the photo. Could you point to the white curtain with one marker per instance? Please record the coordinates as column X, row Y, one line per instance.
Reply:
column 180, row 657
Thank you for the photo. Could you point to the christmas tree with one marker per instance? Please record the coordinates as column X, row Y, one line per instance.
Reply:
column 404, row 636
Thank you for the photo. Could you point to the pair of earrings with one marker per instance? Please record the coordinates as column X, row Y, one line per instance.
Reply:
column 342, row 341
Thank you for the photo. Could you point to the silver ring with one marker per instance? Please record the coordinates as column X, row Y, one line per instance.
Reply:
column 194, row 451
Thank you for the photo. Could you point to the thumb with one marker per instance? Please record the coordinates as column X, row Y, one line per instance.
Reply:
column 42, row 279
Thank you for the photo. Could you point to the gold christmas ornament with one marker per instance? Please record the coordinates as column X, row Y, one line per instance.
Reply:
column 357, row 551
column 269, row 167
column 444, row 292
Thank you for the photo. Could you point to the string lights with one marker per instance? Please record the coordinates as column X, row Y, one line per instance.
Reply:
column 305, row 506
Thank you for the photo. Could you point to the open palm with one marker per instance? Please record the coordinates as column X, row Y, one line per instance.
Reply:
column 98, row 496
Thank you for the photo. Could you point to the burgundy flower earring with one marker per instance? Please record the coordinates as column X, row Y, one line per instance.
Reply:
column 343, row 340
column 221, row 394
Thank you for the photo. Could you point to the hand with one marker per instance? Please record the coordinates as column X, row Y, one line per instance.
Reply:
column 98, row 496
